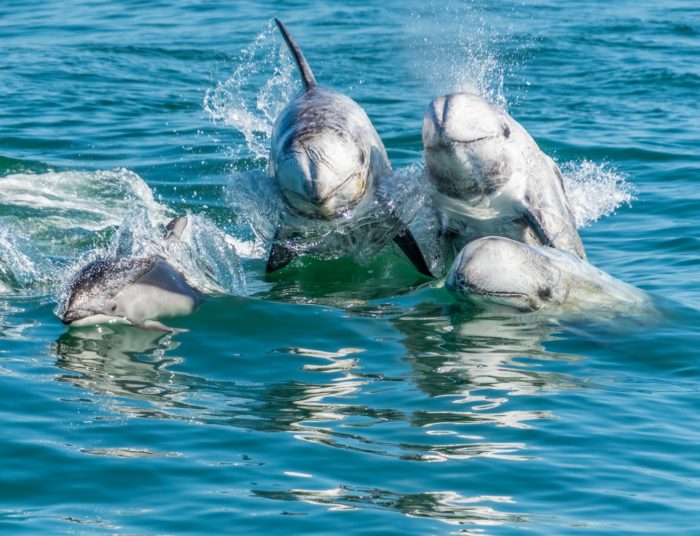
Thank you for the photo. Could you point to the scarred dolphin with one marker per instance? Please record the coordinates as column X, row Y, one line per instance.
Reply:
column 328, row 163
column 491, row 177
column 502, row 271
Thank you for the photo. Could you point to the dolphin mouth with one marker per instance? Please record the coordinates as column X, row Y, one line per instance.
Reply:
column 293, row 200
column 498, row 293
column 527, row 304
column 449, row 142
column 93, row 320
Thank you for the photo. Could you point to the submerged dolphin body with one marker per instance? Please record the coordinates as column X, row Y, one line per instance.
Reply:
column 328, row 161
column 491, row 177
column 131, row 290
column 505, row 272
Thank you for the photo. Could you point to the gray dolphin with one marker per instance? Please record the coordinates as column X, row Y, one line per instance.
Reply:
column 499, row 270
column 491, row 177
column 131, row 290
column 327, row 160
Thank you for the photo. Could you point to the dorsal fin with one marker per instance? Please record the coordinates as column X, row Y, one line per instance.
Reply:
column 175, row 228
column 304, row 69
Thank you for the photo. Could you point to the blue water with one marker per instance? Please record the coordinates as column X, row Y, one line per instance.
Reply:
column 343, row 396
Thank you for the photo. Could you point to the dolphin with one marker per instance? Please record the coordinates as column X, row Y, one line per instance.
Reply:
column 492, row 178
column 130, row 290
column 502, row 271
column 327, row 161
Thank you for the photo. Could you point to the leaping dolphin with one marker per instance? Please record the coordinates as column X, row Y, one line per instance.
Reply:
column 499, row 270
column 328, row 162
column 131, row 290
column 491, row 177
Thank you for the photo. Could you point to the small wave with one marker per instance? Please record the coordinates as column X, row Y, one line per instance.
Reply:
column 13, row 165
column 90, row 200
column 595, row 190
column 444, row 506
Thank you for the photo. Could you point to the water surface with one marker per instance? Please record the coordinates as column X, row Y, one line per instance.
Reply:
column 340, row 395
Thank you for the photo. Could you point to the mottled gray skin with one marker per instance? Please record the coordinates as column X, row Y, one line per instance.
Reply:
column 491, row 177
column 531, row 278
column 132, row 290
column 325, row 155
column 327, row 160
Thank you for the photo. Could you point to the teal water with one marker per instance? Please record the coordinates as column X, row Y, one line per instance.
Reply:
column 342, row 396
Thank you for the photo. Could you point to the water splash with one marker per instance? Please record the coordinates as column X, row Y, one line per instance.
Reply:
column 595, row 190
column 250, row 100
column 476, row 68
column 468, row 60
column 263, row 83
column 253, row 96
column 22, row 267
column 360, row 232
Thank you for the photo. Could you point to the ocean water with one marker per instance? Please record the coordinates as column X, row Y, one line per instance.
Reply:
column 341, row 395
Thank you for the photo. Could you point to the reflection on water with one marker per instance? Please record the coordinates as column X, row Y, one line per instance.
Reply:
column 469, row 367
column 344, row 282
column 446, row 506
column 116, row 361
column 12, row 323
column 452, row 404
column 462, row 352
column 133, row 365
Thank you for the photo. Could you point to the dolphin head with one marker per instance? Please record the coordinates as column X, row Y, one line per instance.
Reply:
column 93, row 291
column 503, row 271
column 464, row 138
column 323, row 172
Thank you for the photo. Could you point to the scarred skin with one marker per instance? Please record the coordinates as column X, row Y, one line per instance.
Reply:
column 328, row 162
column 491, row 177
column 325, row 154
column 502, row 271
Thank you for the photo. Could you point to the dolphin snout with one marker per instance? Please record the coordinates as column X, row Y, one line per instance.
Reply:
column 70, row 316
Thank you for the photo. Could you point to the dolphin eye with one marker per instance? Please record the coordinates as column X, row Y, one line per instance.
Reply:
column 113, row 308
column 506, row 131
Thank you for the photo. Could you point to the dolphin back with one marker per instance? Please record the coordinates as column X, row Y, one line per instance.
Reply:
column 306, row 74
